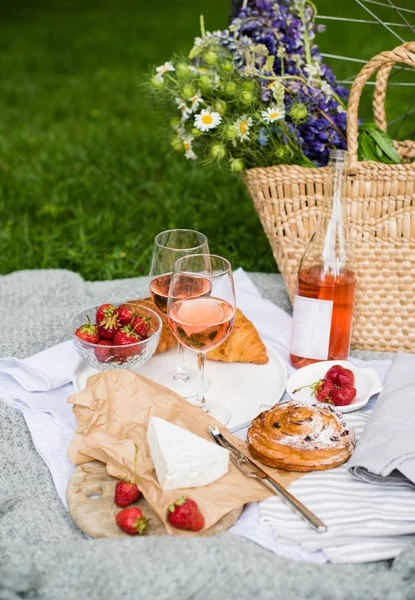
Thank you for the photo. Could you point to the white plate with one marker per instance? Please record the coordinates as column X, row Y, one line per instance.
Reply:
column 367, row 383
column 242, row 387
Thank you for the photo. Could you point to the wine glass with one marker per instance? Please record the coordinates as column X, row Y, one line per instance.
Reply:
column 169, row 246
column 202, row 322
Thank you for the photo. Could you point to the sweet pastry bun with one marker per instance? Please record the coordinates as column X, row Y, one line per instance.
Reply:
column 295, row 436
column 242, row 345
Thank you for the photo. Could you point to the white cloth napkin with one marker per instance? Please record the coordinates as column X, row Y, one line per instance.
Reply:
column 386, row 450
column 40, row 385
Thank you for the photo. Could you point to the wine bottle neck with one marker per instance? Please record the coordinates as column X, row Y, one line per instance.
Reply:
column 334, row 244
column 330, row 246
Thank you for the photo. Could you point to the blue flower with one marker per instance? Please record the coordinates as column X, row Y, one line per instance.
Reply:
column 263, row 137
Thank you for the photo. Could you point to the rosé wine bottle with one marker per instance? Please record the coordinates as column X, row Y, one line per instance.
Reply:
column 324, row 298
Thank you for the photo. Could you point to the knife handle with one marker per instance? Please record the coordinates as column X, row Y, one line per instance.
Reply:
column 295, row 504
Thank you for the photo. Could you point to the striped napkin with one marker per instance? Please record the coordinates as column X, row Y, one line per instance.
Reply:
column 366, row 522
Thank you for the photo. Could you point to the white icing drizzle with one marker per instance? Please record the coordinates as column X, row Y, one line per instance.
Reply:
column 324, row 439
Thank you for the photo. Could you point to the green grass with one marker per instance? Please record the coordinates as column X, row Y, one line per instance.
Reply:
column 87, row 179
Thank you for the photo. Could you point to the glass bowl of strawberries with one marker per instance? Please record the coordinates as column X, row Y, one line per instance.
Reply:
column 107, row 336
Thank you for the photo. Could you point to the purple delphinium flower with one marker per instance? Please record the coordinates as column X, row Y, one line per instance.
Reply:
column 289, row 39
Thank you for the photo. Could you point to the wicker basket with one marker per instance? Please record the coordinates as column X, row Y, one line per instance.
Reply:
column 381, row 209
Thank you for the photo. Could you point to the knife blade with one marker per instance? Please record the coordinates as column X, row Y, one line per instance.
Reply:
column 251, row 469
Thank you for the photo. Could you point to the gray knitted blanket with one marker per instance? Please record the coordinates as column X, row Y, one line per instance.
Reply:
column 43, row 554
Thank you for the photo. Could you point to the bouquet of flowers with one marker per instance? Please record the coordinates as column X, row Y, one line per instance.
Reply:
column 256, row 94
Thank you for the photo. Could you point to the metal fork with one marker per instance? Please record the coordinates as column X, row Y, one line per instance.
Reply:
column 250, row 469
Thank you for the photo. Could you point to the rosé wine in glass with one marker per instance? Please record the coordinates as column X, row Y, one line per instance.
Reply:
column 169, row 246
column 202, row 323
column 159, row 289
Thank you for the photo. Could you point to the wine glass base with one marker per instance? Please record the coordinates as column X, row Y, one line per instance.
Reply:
column 218, row 411
column 185, row 388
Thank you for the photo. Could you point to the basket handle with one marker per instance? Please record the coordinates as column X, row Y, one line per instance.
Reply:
column 383, row 63
column 379, row 96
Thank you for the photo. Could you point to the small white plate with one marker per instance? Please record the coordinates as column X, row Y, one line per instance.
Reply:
column 242, row 387
column 367, row 383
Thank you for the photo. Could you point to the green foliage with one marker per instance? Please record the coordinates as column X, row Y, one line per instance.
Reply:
column 375, row 144
column 86, row 180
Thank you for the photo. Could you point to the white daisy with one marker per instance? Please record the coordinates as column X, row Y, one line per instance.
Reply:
column 195, row 101
column 207, row 119
column 273, row 113
column 202, row 70
column 187, row 145
column 162, row 69
column 340, row 109
column 242, row 126
column 216, row 79
column 184, row 109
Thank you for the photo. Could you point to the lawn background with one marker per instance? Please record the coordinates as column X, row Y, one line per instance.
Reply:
column 87, row 178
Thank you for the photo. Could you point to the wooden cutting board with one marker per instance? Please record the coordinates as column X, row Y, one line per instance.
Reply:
column 90, row 497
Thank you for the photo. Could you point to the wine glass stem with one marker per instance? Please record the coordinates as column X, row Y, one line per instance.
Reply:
column 181, row 374
column 200, row 401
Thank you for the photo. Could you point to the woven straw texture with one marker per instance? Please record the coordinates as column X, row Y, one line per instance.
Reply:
column 381, row 211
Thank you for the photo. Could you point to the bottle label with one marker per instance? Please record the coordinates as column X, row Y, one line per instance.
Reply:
column 311, row 325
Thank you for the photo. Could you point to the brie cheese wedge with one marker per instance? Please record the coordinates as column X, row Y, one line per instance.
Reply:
column 181, row 458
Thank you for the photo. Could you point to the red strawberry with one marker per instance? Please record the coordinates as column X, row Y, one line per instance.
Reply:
column 107, row 332
column 131, row 520
column 103, row 354
column 109, row 325
column 104, row 311
column 125, row 337
column 342, row 396
column 340, row 376
column 88, row 332
column 140, row 325
column 126, row 493
column 316, row 388
column 124, row 314
column 323, row 392
column 185, row 514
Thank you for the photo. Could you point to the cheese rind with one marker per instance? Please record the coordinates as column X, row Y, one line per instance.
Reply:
column 181, row 458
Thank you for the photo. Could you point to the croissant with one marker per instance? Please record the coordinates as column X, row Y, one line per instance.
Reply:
column 167, row 339
column 300, row 437
column 242, row 345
